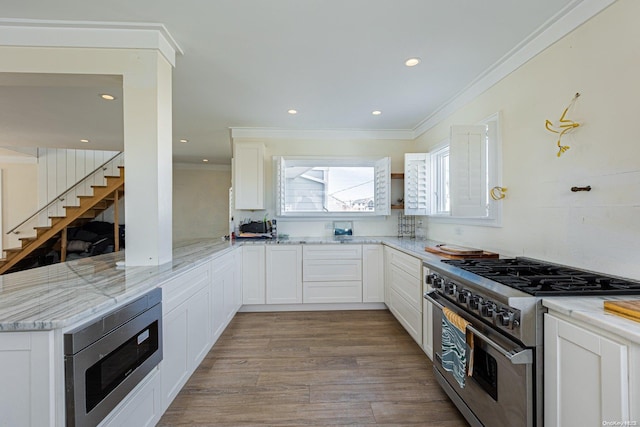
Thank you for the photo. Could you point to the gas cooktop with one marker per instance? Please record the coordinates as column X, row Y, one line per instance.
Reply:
column 544, row 279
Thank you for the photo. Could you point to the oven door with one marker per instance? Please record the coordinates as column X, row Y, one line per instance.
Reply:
column 500, row 392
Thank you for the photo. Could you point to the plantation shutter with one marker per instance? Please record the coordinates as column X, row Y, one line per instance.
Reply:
column 280, row 185
column 468, row 171
column 383, row 186
column 417, row 197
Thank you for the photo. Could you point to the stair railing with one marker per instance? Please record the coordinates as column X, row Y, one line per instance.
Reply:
column 117, row 160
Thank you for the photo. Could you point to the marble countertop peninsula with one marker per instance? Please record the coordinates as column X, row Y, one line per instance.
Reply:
column 61, row 295
column 590, row 310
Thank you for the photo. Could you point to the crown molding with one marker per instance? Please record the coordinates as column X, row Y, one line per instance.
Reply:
column 89, row 34
column 272, row 133
column 568, row 19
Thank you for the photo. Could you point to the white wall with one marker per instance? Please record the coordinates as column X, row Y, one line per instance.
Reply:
column 19, row 197
column 543, row 219
column 200, row 201
column 379, row 226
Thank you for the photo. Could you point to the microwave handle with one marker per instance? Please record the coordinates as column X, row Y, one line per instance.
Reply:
column 518, row 356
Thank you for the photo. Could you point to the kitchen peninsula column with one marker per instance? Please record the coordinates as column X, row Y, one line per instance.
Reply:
column 144, row 57
column 148, row 161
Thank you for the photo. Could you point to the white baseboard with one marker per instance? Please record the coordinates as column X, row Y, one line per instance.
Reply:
column 253, row 308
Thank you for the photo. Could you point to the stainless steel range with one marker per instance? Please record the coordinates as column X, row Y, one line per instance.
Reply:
column 501, row 300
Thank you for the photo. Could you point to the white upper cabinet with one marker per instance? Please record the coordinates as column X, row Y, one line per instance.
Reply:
column 248, row 175
column 417, row 196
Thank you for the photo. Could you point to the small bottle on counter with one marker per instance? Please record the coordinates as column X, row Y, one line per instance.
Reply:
column 274, row 229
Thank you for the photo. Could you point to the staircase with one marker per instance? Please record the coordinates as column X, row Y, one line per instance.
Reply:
column 89, row 207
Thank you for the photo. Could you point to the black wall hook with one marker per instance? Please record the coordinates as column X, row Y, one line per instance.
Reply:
column 576, row 189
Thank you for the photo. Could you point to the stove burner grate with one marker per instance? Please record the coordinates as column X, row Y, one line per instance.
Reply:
column 539, row 278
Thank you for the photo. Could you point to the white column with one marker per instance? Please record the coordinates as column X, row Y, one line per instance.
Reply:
column 147, row 133
column 148, row 164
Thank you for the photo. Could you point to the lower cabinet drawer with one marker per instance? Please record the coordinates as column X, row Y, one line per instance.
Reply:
column 326, row 270
column 334, row 291
column 407, row 315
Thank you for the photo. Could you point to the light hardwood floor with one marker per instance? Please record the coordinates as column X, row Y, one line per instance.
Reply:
column 313, row 369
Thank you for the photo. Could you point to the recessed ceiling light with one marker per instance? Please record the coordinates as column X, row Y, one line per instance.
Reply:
column 107, row 97
column 84, row 140
column 412, row 62
column 205, row 160
column 184, row 141
column 292, row 111
column 376, row 112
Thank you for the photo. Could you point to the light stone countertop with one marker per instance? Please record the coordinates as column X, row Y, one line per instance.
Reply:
column 65, row 294
column 590, row 310
column 60, row 295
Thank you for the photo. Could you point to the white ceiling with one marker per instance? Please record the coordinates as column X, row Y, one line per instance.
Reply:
column 247, row 62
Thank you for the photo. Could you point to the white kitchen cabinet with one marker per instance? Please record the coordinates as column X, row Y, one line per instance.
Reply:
column 327, row 270
column 239, row 274
column 586, row 377
column 142, row 407
column 248, row 175
column 332, row 252
column 187, row 328
column 332, row 273
column 28, row 393
column 372, row 273
column 227, row 289
column 427, row 318
column 403, row 290
column 284, row 274
column 253, row 274
column 417, row 197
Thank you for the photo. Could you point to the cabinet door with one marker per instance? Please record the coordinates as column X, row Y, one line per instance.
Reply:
column 248, row 175
column 199, row 326
column 218, row 314
column 27, row 392
column 253, row 275
column 237, row 283
column 372, row 273
column 225, row 293
column 586, row 376
column 186, row 341
column 284, row 274
column 403, row 290
column 407, row 315
column 175, row 359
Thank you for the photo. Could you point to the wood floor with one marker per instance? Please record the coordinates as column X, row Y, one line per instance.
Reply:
column 313, row 369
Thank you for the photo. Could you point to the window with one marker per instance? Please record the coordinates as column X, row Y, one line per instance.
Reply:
column 332, row 186
column 464, row 169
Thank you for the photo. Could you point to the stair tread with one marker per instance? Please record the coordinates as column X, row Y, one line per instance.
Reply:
column 102, row 200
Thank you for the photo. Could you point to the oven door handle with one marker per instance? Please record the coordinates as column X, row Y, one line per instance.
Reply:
column 518, row 356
